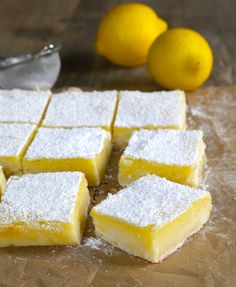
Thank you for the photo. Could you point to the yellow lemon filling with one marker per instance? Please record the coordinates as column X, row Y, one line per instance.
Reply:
column 22, row 232
column 148, row 242
column 15, row 139
column 79, row 149
column 148, row 110
column 151, row 242
column 137, row 162
column 2, row 181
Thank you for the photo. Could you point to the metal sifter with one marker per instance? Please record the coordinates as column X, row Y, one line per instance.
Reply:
column 31, row 71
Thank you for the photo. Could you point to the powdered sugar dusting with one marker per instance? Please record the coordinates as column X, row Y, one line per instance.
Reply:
column 98, row 244
column 22, row 106
column 81, row 109
column 67, row 143
column 165, row 146
column 13, row 137
column 151, row 200
column 94, row 243
column 40, row 197
column 140, row 109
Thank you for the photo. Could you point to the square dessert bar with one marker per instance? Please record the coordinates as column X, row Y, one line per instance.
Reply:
column 44, row 209
column 176, row 155
column 154, row 216
column 153, row 110
column 22, row 106
column 81, row 109
column 14, row 140
column 77, row 149
column 2, row 181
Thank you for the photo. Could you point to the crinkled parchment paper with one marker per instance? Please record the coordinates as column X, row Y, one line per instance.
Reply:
column 207, row 259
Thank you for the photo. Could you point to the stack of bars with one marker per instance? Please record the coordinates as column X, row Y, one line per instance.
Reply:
column 52, row 145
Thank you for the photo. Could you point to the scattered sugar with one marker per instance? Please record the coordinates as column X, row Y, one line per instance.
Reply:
column 40, row 197
column 14, row 137
column 98, row 244
column 94, row 243
column 22, row 106
column 165, row 146
column 139, row 109
column 67, row 143
column 81, row 109
column 151, row 200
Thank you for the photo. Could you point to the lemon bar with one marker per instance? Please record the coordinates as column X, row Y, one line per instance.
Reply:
column 176, row 155
column 152, row 217
column 2, row 181
column 77, row 149
column 22, row 106
column 44, row 209
column 148, row 110
column 74, row 108
column 14, row 140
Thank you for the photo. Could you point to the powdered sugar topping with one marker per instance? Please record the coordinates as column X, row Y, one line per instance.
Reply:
column 67, row 143
column 171, row 147
column 22, row 106
column 140, row 109
column 151, row 200
column 81, row 109
column 40, row 197
column 14, row 137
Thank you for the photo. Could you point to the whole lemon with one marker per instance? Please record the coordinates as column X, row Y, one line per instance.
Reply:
column 180, row 59
column 126, row 33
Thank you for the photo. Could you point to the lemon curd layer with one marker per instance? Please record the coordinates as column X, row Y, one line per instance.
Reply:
column 153, row 110
column 44, row 209
column 2, row 181
column 14, row 140
column 77, row 149
column 155, row 217
column 22, row 106
column 74, row 108
column 176, row 155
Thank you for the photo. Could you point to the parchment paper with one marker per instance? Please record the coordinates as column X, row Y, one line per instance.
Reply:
column 207, row 259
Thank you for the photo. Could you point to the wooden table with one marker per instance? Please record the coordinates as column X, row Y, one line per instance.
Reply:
column 27, row 25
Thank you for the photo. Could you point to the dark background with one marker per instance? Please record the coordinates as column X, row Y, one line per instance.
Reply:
column 27, row 25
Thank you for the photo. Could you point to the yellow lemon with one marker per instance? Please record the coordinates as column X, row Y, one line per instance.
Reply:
column 180, row 59
column 126, row 33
